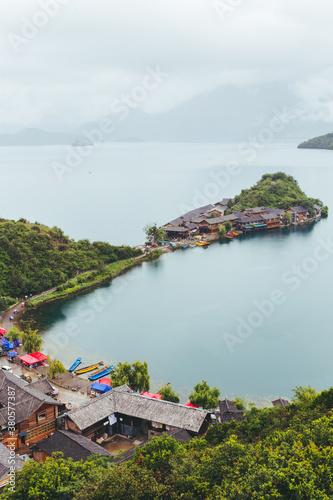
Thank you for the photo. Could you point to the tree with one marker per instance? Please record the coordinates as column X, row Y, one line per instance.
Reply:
column 324, row 212
column 168, row 394
column 240, row 403
column 222, row 231
column 229, row 204
column 14, row 334
column 55, row 367
column 31, row 341
column 228, row 226
column 304, row 395
column 288, row 217
column 135, row 375
column 154, row 233
column 203, row 395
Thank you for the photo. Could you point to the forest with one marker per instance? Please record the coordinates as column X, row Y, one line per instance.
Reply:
column 277, row 190
column 34, row 258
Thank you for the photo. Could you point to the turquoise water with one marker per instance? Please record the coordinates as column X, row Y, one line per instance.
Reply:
column 183, row 313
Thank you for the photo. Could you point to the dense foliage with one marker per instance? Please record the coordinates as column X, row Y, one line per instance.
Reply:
column 34, row 258
column 203, row 395
column 321, row 142
column 277, row 190
column 280, row 453
column 134, row 375
column 168, row 394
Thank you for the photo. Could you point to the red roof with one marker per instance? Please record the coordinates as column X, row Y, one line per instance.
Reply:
column 2, row 331
column 151, row 395
column 38, row 355
column 190, row 405
column 28, row 359
column 106, row 381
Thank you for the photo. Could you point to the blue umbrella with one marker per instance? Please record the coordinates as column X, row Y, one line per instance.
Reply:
column 11, row 345
column 12, row 353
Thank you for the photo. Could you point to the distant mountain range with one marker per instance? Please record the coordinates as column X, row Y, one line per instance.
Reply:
column 321, row 142
column 227, row 114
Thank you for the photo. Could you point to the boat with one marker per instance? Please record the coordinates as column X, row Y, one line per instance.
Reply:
column 99, row 371
column 101, row 374
column 202, row 243
column 184, row 247
column 230, row 235
column 75, row 365
column 87, row 369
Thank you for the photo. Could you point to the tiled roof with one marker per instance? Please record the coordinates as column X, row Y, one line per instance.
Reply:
column 135, row 405
column 72, row 445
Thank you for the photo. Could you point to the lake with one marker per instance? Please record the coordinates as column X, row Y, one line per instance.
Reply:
column 251, row 315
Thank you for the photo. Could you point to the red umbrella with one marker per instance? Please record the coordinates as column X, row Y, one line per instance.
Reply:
column 190, row 405
column 2, row 331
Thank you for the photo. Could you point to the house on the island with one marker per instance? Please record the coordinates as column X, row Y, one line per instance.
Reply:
column 272, row 220
column 72, row 445
column 9, row 465
column 223, row 203
column 35, row 412
column 251, row 223
column 257, row 210
column 217, row 211
column 280, row 402
column 120, row 411
column 227, row 412
column 181, row 231
column 298, row 215
column 317, row 210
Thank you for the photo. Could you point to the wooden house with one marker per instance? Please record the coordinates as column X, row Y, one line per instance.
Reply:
column 272, row 220
column 298, row 215
column 33, row 412
column 120, row 411
column 228, row 412
column 72, row 445
column 280, row 402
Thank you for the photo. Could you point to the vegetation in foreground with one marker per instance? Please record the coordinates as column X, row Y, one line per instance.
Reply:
column 320, row 142
column 35, row 258
column 277, row 190
column 280, row 453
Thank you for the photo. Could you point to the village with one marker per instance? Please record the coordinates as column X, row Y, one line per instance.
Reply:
column 40, row 416
column 204, row 222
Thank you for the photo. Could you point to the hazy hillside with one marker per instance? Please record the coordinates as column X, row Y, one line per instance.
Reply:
column 321, row 142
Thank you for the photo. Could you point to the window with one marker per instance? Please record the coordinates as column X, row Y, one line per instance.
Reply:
column 41, row 416
column 46, row 427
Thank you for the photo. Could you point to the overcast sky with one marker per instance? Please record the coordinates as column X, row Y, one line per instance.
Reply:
column 85, row 54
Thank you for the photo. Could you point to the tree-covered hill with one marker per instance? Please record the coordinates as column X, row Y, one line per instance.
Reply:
column 321, row 142
column 277, row 190
column 280, row 453
column 34, row 258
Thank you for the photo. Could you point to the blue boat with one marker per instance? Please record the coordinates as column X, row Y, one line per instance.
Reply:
column 101, row 374
column 75, row 365
column 184, row 247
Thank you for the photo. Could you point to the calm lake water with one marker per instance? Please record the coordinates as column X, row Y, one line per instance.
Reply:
column 251, row 315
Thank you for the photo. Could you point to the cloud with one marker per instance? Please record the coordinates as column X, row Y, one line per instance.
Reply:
column 89, row 53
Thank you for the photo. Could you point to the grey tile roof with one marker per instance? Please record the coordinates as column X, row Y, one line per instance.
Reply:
column 27, row 399
column 223, row 202
column 134, row 405
column 299, row 210
column 72, row 445
column 280, row 402
column 317, row 207
column 277, row 211
column 43, row 386
column 270, row 216
column 257, row 210
column 5, row 459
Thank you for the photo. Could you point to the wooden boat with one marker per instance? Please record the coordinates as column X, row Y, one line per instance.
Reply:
column 75, row 365
column 229, row 235
column 101, row 374
column 184, row 247
column 99, row 371
column 88, row 368
column 202, row 243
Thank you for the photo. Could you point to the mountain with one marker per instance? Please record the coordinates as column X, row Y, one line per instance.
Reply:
column 321, row 142
column 35, row 137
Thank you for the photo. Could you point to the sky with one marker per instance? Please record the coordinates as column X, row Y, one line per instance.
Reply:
column 67, row 62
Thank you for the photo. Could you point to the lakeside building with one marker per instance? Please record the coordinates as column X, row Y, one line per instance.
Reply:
column 6, row 464
column 35, row 412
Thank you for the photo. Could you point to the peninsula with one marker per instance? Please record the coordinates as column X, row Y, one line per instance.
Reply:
column 275, row 201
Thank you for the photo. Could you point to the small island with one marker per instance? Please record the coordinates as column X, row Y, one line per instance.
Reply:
column 320, row 142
